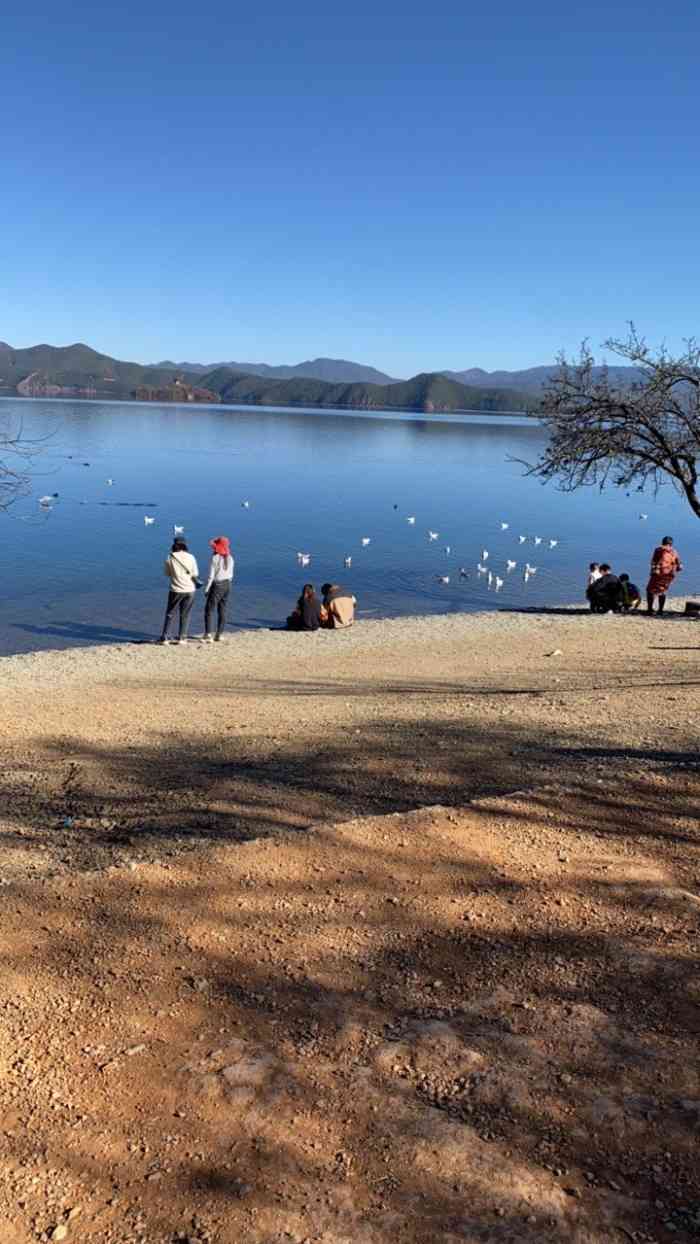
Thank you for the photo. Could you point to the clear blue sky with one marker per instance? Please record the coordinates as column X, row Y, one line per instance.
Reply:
column 412, row 185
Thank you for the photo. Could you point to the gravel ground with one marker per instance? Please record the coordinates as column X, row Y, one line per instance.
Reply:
column 462, row 1005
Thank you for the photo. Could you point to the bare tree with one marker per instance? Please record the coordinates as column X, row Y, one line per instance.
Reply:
column 17, row 451
column 642, row 434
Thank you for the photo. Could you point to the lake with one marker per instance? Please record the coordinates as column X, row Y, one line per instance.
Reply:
column 88, row 570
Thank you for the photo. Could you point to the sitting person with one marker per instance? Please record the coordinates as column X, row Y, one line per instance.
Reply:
column 309, row 614
column 339, row 605
column 631, row 596
column 606, row 593
column 594, row 573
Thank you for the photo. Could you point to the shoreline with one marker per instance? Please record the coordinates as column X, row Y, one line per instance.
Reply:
column 367, row 634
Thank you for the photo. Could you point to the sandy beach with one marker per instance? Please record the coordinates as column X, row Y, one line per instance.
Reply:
column 385, row 935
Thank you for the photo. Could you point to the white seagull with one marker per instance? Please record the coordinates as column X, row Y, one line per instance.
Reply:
column 365, row 541
column 537, row 539
column 347, row 562
column 411, row 520
column 148, row 521
column 109, row 483
column 505, row 526
column 510, row 565
column 481, row 569
column 303, row 558
column 45, row 502
column 490, row 578
column 484, row 555
column 499, row 583
column 443, row 578
column 448, row 549
column 530, row 569
column 643, row 516
column 178, row 531
column 433, row 535
column 526, row 575
column 553, row 544
column 522, row 539
column 463, row 572
column 245, row 505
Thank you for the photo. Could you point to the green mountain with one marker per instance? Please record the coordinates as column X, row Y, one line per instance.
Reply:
column 429, row 391
column 78, row 370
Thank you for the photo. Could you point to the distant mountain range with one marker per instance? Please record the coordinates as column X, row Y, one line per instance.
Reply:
column 334, row 371
column 80, row 371
column 531, row 379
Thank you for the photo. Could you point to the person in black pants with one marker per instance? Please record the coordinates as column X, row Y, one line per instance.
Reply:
column 181, row 570
column 218, row 588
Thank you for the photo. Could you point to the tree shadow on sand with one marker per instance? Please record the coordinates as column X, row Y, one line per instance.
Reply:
column 466, row 1024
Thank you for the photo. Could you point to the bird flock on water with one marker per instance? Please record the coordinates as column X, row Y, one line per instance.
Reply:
column 483, row 570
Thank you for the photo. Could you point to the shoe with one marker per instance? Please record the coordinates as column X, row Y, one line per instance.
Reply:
column 217, row 639
column 162, row 640
column 206, row 639
column 180, row 641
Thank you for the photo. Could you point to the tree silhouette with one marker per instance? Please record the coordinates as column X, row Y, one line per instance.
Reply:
column 645, row 433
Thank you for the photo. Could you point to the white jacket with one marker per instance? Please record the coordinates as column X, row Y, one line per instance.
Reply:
column 180, row 567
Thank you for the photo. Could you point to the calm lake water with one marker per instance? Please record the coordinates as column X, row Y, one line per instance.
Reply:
column 89, row 570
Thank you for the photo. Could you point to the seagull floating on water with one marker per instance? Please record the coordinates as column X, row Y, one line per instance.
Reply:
column 303, row 558
column 245, row 505
column 505, row 526
column 433, row 535
column 411, row 520
column 484, row 555
column 537, row 539
column 347, row 562
column 365, row 541
column 490, row 578
column 45, row 502
column 499, row 583
column 109, row 483
column 443, row 578
column 522, row 539
column 510, row 565
column 463, row 572
column 481, row 569
column 148, row 521
column 448, row 549
column 178, row 531
column 643, row 516
column 530, row 569
column 553, row 544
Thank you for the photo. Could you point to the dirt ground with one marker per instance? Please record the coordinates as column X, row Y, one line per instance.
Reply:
column 393, row 941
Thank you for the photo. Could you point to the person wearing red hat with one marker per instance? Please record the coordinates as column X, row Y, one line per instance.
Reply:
column 217, row 588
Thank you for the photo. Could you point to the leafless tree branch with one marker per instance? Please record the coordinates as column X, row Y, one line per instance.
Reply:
column 644, row 434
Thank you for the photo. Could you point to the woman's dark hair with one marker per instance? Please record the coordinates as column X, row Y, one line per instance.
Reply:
column 179, row 546
column 307, row 592
column 624, row 578
column 667, row 540
column 604, row 567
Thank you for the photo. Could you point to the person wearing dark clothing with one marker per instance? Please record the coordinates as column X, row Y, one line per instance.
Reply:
column 630, row 593
column 606, row 592
column 309, row 614
column 218, row 588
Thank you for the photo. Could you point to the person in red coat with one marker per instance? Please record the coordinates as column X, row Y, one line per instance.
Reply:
column 665, row 565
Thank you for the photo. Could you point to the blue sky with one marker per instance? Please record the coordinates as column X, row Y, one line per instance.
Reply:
column 414, row 186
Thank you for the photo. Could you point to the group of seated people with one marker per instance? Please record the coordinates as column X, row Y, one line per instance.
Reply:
column 333, row 610
column 607, row 592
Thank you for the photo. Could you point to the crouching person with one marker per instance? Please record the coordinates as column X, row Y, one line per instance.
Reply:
column 339, row 605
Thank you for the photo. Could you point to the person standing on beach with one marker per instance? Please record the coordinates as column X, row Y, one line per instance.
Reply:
column 181, row 569
column 218, row 588
column 665, row 565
